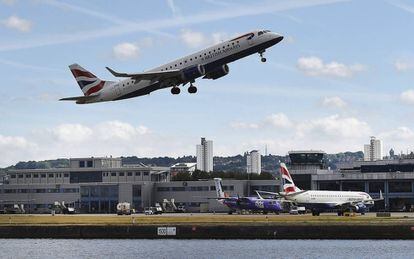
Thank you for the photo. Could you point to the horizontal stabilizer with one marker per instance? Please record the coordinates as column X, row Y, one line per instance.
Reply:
column 79, row 98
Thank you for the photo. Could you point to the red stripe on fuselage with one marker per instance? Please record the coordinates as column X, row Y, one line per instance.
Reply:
column 77, row 72
column 96, row 88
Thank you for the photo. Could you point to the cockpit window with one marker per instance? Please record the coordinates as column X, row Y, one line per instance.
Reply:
column 266, row 31
column 260, row 33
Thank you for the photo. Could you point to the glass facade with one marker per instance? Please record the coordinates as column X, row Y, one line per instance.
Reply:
column 99, row 198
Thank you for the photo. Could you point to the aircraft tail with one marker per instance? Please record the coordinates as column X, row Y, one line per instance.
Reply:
column 88, row 82
column 219, row 188
column 287, row 181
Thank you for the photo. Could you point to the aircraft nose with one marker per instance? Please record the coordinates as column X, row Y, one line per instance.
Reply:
column 277, row 37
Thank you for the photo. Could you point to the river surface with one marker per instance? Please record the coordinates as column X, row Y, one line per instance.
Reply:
column 142, row 248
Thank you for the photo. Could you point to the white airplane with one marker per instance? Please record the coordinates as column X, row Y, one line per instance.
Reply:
column 319, row 201
column 210, row 63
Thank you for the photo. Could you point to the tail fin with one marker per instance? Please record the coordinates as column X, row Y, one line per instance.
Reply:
column 287, row 181
column 88, row 82
column 219, row 188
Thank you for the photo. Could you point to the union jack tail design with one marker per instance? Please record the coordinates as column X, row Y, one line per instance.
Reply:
column 287, row 181
column 88, row 82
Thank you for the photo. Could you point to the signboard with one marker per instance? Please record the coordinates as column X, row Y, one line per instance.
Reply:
column 167, row 231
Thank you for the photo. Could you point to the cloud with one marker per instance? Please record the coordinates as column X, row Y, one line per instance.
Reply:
column 334, row 127
column 408, row 96
column 15, row 148
column 117, row 130
column 153, row 25
column 314, row 66
column 115, row 138
column 193, row 39
column 399, row 134
column 278, row 120
column 71, row 133
column 333, row 102
column 16, row 23
column 125, row 51
column 403, row 66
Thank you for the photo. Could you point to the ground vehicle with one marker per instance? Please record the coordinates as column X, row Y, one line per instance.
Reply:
column 63, row 208
column 123, row 208
column 295, row 210
column 153, row 210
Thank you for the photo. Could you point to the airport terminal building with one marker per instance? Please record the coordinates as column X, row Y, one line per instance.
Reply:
column 96, row 185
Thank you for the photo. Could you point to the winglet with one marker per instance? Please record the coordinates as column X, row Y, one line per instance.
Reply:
column 116, row 74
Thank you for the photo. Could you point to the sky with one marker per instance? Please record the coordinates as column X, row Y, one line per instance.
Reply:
column 343, row 73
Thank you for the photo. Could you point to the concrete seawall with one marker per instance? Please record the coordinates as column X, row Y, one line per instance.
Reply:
column 214, row 231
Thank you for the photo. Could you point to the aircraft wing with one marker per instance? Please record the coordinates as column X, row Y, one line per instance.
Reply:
column 280, row 194
column 159, row 75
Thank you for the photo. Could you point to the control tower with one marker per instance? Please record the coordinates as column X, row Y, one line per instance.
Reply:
column 305, row 163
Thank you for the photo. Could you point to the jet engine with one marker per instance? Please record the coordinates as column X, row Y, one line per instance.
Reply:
column 360, row 207
column 218, row 72
column 190, row 73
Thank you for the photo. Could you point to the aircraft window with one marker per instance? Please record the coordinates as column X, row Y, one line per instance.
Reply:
column 195, row 57
column 191, row 59
column 185, row 61
column 214, row 50
column 181, row 63
column 260, row 33
column 224, row 46
column 209, row 52
column 218, row 48
column 175, row 64
column 200, row 55
column 228, row 45
column 237, row 41
column 205, row 54
column 170, row 66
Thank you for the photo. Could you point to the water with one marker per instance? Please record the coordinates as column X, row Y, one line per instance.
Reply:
column 139, row 248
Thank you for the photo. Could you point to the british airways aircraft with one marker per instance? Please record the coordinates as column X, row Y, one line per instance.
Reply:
column 257, row 204
column 319, row 201
column 210, row 63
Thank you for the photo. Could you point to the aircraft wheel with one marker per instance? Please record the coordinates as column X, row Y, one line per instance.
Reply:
column 230, row 212
column 175, row 90
column 192, row 89
column 340, row 213
column 315, row 213
column 263, row 59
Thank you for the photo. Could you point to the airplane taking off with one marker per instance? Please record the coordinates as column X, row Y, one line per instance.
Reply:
column 210, row 63
column 246, row 203
column 319, row 201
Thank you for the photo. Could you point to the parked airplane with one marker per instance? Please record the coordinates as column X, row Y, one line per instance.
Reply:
column 210, row 63
column 256, row 204
column 319, row 201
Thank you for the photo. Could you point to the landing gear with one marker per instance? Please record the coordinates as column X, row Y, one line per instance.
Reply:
column 192, row 89
column 175, row 90
column 340, row 213
column 315, row 213
column 263, row 59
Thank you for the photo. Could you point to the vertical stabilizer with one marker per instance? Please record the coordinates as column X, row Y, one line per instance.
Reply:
column 287, row 181
column 88, row 82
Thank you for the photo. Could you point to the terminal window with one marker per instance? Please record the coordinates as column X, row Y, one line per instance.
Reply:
column 129, row 173
column 146, row 173
column 89, row 163
column 137, row 173
column 113, row 174
column 81, row 163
